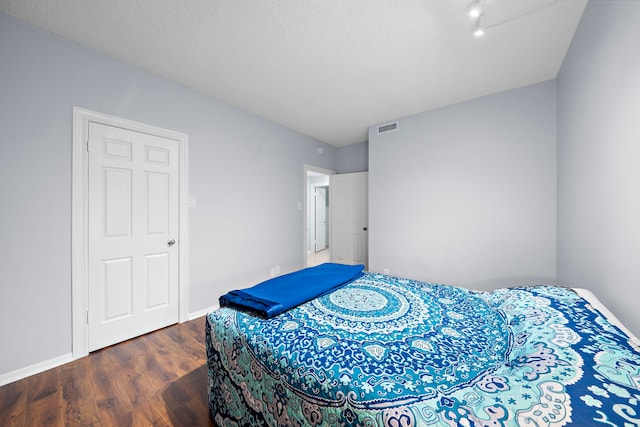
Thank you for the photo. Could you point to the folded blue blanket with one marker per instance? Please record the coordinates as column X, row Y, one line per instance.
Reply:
column 274, row 296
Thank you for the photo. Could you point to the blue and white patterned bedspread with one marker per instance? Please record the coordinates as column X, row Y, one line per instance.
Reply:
column 385, row 351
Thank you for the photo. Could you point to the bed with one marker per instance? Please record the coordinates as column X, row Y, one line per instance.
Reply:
column 388, row 351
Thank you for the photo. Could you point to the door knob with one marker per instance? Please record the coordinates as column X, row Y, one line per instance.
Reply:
column 171, row 242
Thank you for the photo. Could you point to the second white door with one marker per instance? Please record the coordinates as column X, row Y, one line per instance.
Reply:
column 349, row 218
column 133, row 234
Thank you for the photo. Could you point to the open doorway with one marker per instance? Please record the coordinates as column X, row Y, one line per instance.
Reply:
column 316, row 212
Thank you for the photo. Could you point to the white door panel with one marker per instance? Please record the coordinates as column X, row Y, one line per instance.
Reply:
column 117, row 202
column 117, row 290
column 133, row 214
column 158, row 285
column 349, row 218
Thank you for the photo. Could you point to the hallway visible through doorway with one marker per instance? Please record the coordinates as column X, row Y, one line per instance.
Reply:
column 316, row 215
column 317, row 258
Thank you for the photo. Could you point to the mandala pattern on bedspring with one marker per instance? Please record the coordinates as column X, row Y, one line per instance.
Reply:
column 385, row 351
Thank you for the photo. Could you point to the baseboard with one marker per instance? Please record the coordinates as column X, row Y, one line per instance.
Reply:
column 201, row 313
column 21, row 373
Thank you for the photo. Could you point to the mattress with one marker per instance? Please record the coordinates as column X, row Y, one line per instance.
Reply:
column 388, row 351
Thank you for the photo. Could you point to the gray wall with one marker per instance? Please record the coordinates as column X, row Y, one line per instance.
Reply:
column 246, row 172
column 599, row 158
column 353, row 158
column 466, row 195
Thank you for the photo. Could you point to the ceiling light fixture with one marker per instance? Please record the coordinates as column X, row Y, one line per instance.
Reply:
column 475, row 9
column 479, row 27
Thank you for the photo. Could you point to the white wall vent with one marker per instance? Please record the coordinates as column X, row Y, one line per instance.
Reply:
column 387, row 127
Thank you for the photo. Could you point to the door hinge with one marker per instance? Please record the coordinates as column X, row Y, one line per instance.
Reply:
column 87, row 145
column 87, row 317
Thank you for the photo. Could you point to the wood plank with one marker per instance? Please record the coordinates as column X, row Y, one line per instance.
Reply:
column 44, row 403
column 192, row 345
column 13, row 404
column 151, row 412
column 161, row 360
column 184, row 396
column 113, row 408
column 190, row 357
column 78, row 398
column 158, row 379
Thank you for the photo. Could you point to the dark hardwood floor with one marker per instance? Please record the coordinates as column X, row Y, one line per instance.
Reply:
column 158, row 379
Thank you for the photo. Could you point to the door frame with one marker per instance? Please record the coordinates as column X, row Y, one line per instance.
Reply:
column 305, row 208
column 80, row 219
column 325, row 208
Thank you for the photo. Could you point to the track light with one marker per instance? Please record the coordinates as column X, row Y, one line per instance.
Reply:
column 479, row 28
column 475, row 8
column 477, row 12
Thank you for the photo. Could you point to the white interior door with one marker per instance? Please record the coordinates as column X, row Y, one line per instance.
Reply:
column 133, row 234
column 349, row 218
column 321, row 219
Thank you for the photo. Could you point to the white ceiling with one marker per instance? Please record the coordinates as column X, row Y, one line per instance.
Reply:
column 326, row 68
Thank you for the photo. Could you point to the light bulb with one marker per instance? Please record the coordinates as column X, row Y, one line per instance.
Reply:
column 479, row 26
column 475, row 9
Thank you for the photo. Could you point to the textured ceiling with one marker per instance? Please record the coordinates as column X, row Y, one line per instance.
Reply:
column 326, row 68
